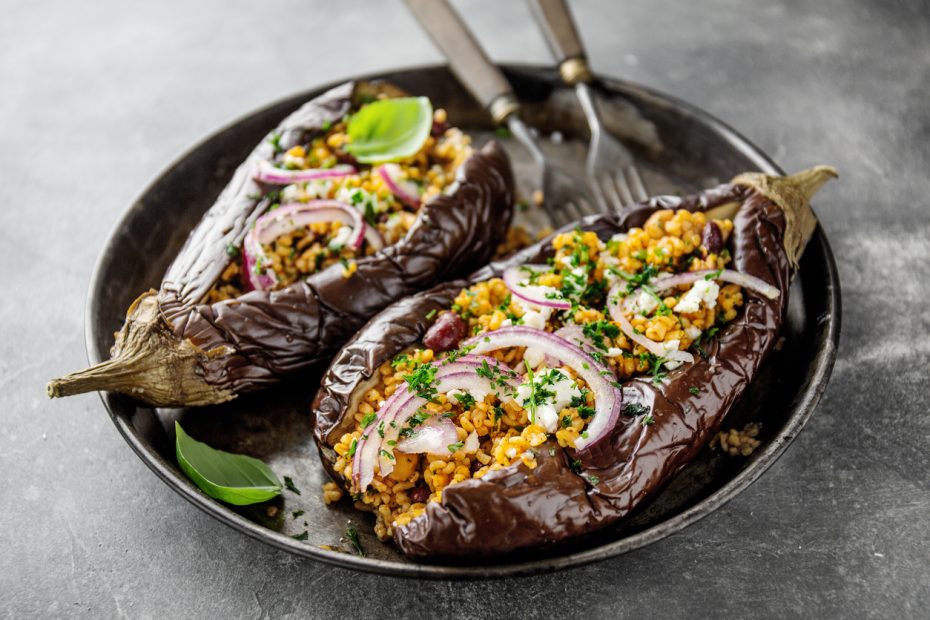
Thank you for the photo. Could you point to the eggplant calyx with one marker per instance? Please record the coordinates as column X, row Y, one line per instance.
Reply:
column 793, row 195
column 149, row 363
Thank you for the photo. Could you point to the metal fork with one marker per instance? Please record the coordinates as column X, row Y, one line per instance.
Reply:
column 564, row 198
column 612, row 173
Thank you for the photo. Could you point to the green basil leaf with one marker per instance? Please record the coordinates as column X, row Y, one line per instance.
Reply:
column 232, row 478
column 389, row 129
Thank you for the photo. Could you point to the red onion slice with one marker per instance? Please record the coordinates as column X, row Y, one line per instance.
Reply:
column 515, row 279
column 607, row 398
column 615, row 307
column 726, row 275
column 266, row 172
column 405, row 190
column 433, row 436
column 397, row 409
column 293, row 216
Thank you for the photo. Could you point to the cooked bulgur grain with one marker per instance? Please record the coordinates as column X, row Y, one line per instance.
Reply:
column 317, row 246
column 510, row 430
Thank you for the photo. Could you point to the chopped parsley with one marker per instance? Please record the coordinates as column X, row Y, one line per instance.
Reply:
column 302, row 536
column 453, row 447
column 275, row 141
column 289, row 484
column 597, row 331
column 635, row 409
column 400, row 360
column 648, row 420
column 694, row 390
column 352, row 447
column 232, row 250
column 421, row 381
column 297, row 513
column 386, row 454
column 431, row 314
column 352, row 537
column 368, row 419
column 466, row 400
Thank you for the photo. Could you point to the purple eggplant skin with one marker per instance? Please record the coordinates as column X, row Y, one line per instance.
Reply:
column 175, row 350
column 520, row 508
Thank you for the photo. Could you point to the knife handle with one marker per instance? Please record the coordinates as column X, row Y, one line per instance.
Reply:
column 468, row 61
column 555, row 20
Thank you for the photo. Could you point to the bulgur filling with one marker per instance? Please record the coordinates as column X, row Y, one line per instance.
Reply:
column 538, row 401
column 302, row 252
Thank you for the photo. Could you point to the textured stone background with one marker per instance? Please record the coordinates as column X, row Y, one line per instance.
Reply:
column 96, row 97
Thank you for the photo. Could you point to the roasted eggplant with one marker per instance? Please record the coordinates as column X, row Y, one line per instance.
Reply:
column 262, row 289
column 516, row 437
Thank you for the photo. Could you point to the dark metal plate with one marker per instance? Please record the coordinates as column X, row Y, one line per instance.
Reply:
column 683, row 149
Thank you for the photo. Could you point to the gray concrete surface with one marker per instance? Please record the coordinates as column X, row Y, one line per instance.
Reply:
column 96, row 97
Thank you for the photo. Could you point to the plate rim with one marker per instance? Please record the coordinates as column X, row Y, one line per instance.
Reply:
column 801, row 409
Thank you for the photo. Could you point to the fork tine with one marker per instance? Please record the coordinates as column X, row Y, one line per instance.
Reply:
column 624, row 189
column 636, row 183
column 586, row 207
column 609, row 188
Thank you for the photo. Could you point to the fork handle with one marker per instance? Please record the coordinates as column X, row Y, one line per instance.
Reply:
column 555, row 20
column 466, row 58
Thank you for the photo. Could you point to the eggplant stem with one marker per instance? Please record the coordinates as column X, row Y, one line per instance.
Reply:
column 149, row 363
column 793, row 194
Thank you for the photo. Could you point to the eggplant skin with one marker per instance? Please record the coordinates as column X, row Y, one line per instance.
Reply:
column 520, row 508
column 269, row 334
column 173, row 350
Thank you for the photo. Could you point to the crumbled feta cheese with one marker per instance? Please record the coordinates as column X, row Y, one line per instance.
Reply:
column 641, row 303
column 701, row 291
column 671, row 345
column 318, row 189
column 619, row 237
column 693, row 332
column 614, row 352
column 359, row 199
column 533, row 356
column 291, row 193
column 292, row 161
column 339, row 241
column 558, row 390
column 534, row 316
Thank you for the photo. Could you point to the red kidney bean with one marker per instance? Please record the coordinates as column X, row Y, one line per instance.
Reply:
column 712, row 238
column 419, row 495
column 445, row 333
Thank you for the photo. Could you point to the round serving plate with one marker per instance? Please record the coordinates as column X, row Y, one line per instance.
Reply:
column 681, row 149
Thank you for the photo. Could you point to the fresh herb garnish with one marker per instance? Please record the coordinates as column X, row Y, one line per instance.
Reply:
column 289, row 484
column 275, row 141
column 466, row 400
column 297, row 513
column 389, row 129
column 302, row 536
column 648, row 420
column 352, row 537
column 635, row 409
column 431, row 314
column 232, row 478
column 421, row 381
column 232, row 250
column 368, row 419
column 694, row 390
column 458, row 445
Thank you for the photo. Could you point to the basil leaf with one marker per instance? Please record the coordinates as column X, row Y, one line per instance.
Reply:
column 390, row 129
column 232, row 478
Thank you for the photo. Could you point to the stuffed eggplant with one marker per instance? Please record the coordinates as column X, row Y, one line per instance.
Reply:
column 359, row 198
column 548, row 395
